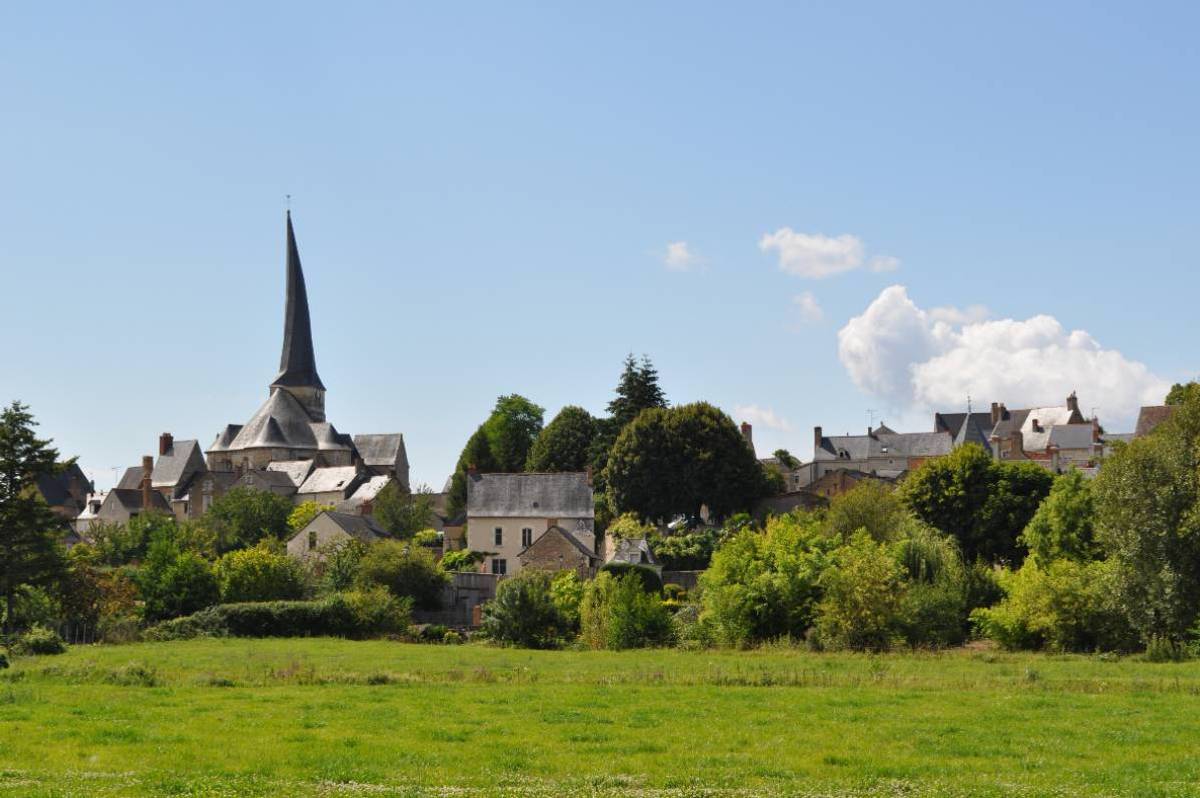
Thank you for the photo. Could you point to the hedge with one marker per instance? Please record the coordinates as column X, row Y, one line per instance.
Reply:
column 651, row 581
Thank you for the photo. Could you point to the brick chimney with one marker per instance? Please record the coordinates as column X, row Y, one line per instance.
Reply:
column 147, row 471
column 748, row 433
column 996, row 414
column 816, row 440
column 165, row 442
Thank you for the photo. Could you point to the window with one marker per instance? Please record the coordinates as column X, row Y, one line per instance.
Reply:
column 499, row 536
column 526, row 537
column 312, row 540
column 499, row 566
column 205, row 503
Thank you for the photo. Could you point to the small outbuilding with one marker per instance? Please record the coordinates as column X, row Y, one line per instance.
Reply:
column 330, row 528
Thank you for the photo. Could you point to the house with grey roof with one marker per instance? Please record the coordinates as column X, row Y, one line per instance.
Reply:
column 65, row 492
column 362, row 500
column 330, row 485
column 331, row 529
column 507, row 513
column 291, row 425
column 1056, row 437
column 881, row 452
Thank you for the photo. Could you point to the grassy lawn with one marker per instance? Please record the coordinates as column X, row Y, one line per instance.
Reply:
column 329, row 717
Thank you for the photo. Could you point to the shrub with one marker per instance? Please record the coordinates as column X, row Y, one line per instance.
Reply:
column 863, row 590
column 462, row 560
column 119, row 629
column 355, row 614
column 690, row 552
column 304, row 513
column 3, row 659
column 524, row 612
column 1062, row 606
column 649, row 578
column 39, row 640
column 566, row 591
column 175, row 583
column 406, row 570
column 244, row 516
column 258, row 574
column 933, row 607
column 872, row 506
column 617, row 613
column 338, row 567
column 765, row 585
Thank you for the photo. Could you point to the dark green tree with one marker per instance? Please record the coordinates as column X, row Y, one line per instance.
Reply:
column 670, row 462
column 405, row 569
column 30, row 554
column 500, row 444
column 244, row 516
column 786, row 459
column 1063, row 526
column 637, row 390
column 1147, row 501
column 402, row 512
column 982, row 503
column 565, row 443
column 1180, row 392
column 174, row 582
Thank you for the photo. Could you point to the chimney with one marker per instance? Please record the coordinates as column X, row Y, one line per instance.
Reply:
column 165, row 442
column 995, row 413
column 816, row 440
column 589, row 476
column 1073, row 403
column 1035, row 426
column 147, row 471
column 748, row 433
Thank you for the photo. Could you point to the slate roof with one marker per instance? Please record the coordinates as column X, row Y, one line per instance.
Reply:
column 328, row 480
column 273, row 479
column 381, row 450
column 132, row 478
column 558, row 530
column 174, row 467
column 292, row 426
column 362, row 527
column 297, row 362
column 56, row 488
column 631, row 550
column 1150, row 417
column 131, row 500
column 883, row 445
column 561, row 495
column 225, row 438
column 296, row 470
column 364, row 493
column 1073, row 436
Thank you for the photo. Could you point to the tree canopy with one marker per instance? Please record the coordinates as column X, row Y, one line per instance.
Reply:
column 983, row 503
column 637, row 390
column 565, row 443
column 402, row 512
column 500, row 444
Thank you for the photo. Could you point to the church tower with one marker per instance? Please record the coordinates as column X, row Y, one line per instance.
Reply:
column 297, row 363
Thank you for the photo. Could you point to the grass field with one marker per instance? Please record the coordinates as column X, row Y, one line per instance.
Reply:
column 329, row 717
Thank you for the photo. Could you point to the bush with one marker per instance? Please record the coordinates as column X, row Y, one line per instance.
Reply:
column 356, row 614
column 3, row 659
column 462, row 560
column 933, row 608
column 566, row 591
column 690, row 552
column 524, row 612
column 1062, row 606
column 765, row 585
column 119, row 629
column 649, row 578
column 863, row 590
column 617, row 613
column 258, row 574
column 175, row 583
column 406, row 570
column 39, row 640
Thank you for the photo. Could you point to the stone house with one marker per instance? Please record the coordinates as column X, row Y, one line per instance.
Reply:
column 634, row 551
column 881, row 452
column 506, row 513
column 121, row 504
column 556, row 549
column 331, row 528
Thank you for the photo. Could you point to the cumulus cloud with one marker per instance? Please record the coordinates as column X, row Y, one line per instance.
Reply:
column 763, row 417
column 935, row 359
column 808, row 307
column 815, row 256
column 679, row 257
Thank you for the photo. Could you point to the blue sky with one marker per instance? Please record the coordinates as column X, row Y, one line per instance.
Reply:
column 485, row 194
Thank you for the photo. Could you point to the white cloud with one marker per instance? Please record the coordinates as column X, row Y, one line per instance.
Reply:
column 914, row 358
column 815, row 256
column 808, row 307
column 763, row 417
column 679, row 257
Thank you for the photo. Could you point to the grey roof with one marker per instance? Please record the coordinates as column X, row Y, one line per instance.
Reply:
column 296, row 470
column 883, row 445
column 131, row 500
column 292, row 427
column 132, row 478
column 1073, row 436
column 364, row 493
column 955, row 422
column 381, row 450
column 1150, row 417
column 181, row 460
column 56, row 488
column 297, row 362
column 225, row 438
column 328, row 480
column 632, row 550
column 561, row 495
column 558, row 530
column 362, row 527
column 272, row 479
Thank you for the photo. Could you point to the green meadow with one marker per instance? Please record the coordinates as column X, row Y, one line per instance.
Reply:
column 330, row 717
